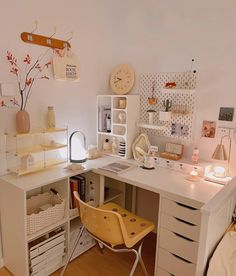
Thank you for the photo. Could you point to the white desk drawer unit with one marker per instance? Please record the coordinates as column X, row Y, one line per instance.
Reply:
column 161, row 272
column 174, row 265
column 179, row 236
column 178, row 245
column 180, row 226
column 182, row 211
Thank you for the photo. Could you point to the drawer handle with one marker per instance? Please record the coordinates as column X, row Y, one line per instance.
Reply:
column 182, row 259
column 184, row 221
column 186, row 206
column 183, row 237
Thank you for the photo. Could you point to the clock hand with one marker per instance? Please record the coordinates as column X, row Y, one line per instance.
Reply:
column 117, row 79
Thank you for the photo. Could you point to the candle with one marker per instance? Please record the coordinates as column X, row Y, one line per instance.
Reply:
column 219, row 171
column 193, row 173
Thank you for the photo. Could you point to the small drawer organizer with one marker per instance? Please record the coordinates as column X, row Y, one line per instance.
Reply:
column 38, row 219
column 46, row 253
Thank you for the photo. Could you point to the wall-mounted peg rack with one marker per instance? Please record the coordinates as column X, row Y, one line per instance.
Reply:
column 44, row 40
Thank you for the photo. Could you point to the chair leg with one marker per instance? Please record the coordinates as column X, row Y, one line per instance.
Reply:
column 100, row 247
column 135, row 262
column 141, row 260
column 136, row 252
column 72, row 251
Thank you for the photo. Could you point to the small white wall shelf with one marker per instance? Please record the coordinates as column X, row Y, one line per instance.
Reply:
column 149, row 126
column 183, row 91
column 123, row 122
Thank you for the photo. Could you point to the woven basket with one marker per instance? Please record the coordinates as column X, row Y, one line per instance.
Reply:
column 38, row 219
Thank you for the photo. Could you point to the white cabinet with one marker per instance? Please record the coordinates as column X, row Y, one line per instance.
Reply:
column 37, row 150
column 179, row 237
column 43, row 247
column 117, row 116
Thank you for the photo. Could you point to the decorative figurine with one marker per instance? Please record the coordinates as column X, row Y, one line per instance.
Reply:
column 170, row 85
column 152, row 100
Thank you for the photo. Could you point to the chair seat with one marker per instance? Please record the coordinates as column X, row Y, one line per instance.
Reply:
column 137, row 228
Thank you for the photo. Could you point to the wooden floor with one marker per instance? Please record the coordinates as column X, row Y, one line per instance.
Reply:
column 93, row 263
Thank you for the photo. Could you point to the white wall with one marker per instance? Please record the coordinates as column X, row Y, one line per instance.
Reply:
column 164, row 35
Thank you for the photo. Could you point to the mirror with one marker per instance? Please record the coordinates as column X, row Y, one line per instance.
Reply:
column 140, row 147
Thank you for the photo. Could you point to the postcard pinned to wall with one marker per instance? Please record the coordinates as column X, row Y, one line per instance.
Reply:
column 208, row 129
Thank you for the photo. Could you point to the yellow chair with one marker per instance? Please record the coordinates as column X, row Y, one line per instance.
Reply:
column 111, row 226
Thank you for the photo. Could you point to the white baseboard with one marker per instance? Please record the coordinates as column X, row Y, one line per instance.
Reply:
column 1, row 262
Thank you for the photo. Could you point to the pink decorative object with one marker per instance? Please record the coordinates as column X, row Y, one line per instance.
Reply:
column 22, row 121
column 195, row 155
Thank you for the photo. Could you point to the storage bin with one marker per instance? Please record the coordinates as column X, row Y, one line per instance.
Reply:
column 38, row 219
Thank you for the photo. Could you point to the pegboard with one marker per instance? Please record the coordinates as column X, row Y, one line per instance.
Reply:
column 182, row 95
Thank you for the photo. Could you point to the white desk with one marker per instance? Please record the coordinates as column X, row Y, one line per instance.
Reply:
column 199, row 211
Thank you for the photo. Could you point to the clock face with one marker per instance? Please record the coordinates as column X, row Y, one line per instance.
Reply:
column 122, row 79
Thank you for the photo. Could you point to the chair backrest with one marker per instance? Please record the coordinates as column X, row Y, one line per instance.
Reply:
column 103, row 224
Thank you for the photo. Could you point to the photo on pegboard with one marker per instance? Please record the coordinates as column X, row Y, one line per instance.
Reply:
column 179, row 130
column 226, row 114
column 208, row 129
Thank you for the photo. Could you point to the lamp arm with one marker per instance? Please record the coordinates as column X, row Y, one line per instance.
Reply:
column 229, row 152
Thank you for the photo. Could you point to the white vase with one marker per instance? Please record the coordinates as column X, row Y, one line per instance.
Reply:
column 164, row 115
column 51, row 121
column 150, row 117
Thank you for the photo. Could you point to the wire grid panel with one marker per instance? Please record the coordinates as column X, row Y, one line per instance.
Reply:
column 181, row 95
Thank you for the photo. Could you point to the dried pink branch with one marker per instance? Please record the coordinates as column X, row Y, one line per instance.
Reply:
column 33, row 72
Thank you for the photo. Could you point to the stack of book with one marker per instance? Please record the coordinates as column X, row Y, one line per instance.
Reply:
column 77, row 183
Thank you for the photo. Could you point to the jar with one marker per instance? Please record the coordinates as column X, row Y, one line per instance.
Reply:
column 195, row 155
column 51, row 122
column 106, row 146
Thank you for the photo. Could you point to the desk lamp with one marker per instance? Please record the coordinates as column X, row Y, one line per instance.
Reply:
column 77, row 142
column 217, row 173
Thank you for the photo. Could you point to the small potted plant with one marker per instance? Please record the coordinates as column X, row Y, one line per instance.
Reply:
column 165, row 115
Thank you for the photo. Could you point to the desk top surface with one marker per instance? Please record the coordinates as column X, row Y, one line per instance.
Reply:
column 160, row 180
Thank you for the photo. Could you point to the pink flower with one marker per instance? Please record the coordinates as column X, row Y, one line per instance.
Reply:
column 27, row 59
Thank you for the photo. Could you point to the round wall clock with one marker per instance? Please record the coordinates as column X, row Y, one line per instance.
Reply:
column 122, row 79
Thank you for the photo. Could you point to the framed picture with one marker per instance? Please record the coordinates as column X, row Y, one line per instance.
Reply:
column 226, row 114
column 208, row 129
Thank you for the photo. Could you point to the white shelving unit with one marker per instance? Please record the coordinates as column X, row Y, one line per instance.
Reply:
column 123, row 121
column 46, row 147
column 46, row 249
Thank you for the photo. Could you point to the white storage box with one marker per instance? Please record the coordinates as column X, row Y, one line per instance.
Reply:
column 38, row 219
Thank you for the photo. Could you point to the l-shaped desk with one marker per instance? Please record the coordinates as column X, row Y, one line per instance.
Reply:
column 192, row 215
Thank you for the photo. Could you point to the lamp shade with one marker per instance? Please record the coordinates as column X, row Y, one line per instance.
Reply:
column 220, row 153
column 77, row 143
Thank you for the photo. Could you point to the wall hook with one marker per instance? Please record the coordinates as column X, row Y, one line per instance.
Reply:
column 36, row 26
column 72, row 34
column 48, row 40
column 45, row 40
